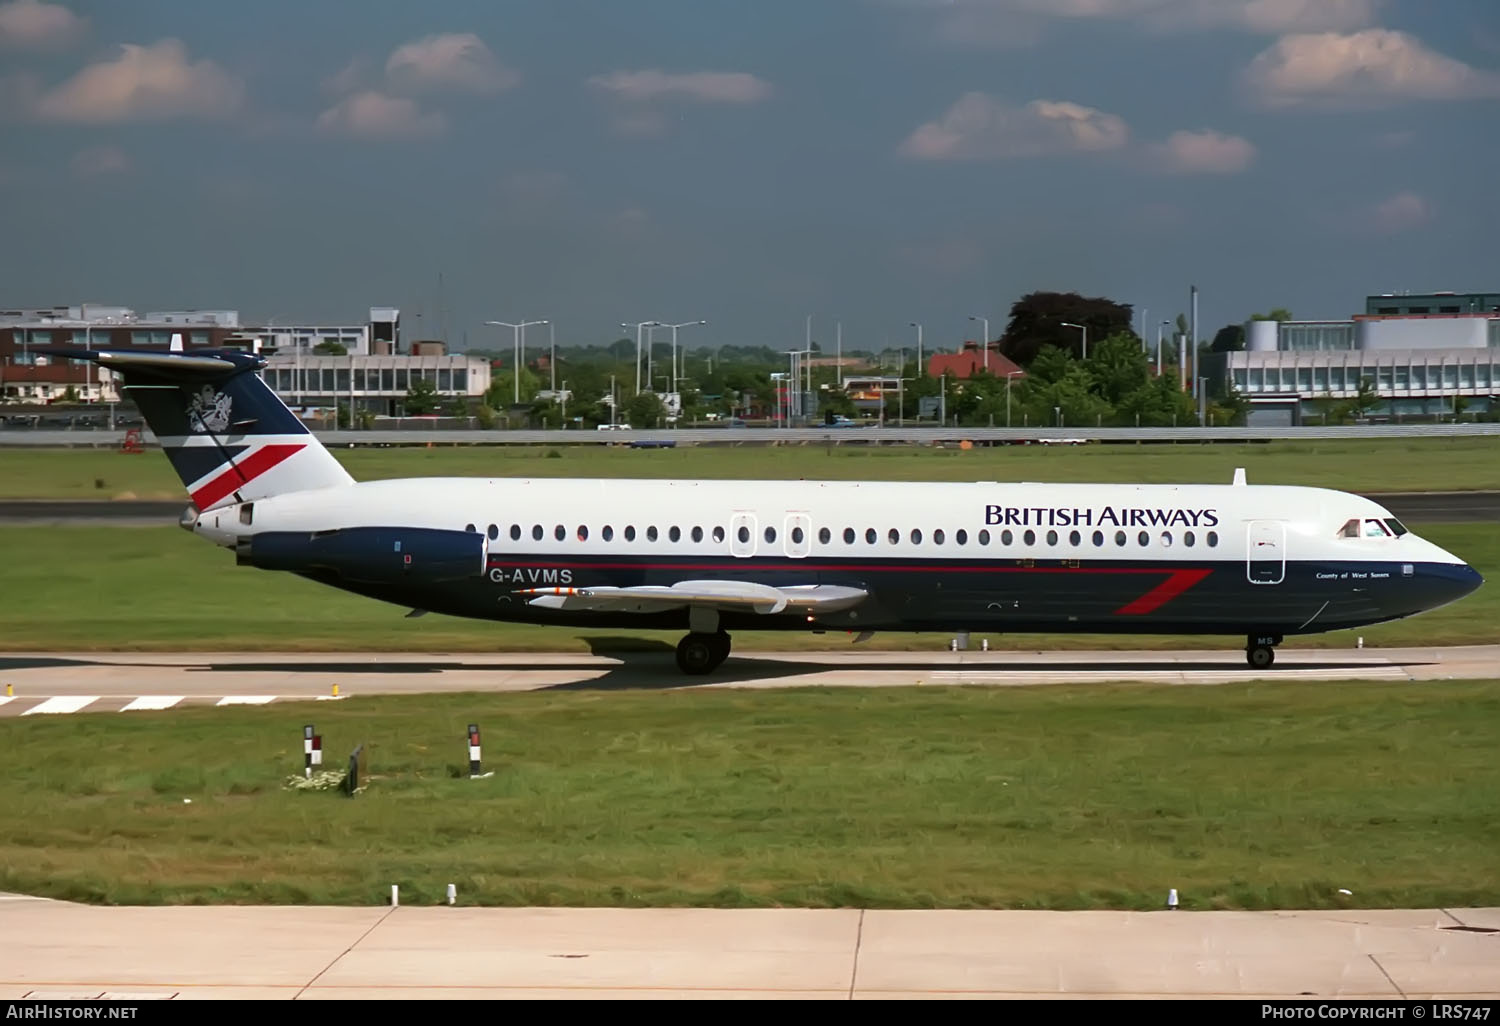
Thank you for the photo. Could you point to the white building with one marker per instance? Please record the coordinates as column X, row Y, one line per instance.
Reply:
column 1418, row 364
column 375, row 383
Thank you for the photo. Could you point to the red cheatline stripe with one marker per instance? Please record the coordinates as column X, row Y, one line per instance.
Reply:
column 1179, row 582
column 243, row 472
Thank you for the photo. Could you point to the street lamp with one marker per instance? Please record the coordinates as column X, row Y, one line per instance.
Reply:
column 914, row 324
column 674, row 327
column 1085, row 330
column 1008, row 376
column 1159, row 326
column 985, row 342
column 516, row 329
column 638, row 328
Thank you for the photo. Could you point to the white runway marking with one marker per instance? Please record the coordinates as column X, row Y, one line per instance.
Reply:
column 7, row 698
column 332, row 698
column 62, row 704
column 153, row 702
column 245, row 700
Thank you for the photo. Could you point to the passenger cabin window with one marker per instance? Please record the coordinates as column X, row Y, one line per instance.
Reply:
column 718, row 534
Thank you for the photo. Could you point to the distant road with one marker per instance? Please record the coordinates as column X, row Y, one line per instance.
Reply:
column 1416, row 508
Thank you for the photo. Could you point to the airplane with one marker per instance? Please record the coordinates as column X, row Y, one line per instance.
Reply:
column 709, row 557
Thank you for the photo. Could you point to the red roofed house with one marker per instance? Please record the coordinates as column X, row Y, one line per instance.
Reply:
column 971, row 359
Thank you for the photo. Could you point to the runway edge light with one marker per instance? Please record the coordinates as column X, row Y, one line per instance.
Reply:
column 1172, row 898
column 452, row 894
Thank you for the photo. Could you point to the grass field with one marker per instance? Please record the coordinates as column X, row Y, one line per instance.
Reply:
column 1377, row 465
column 161, row 588
column 1267, row 795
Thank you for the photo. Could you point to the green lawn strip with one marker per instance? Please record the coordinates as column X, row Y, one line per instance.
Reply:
column 1265, row 795
column 1359, row 465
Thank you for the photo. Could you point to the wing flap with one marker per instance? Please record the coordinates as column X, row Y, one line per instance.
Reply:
column 736, row 596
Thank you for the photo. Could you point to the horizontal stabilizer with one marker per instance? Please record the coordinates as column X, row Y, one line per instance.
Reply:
column 170, row 365
column 734, row 596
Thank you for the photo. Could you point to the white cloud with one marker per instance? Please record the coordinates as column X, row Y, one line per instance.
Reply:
column 32, row 25
column 373, row 115
column 700, row 86
column 637, row 95
column 100, row 160
column 1021, row 22
column 983, row 127
column 453, row 62
column 1362, row 68
column 1205, row 152
column 146, row 83
column 1401, row 212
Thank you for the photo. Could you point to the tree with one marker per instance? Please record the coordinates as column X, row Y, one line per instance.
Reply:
column 421, row 398
column 328, row 347
column 1118, row 367
column 1278, row 314
column 644, row 410
column 1036, row 320
column 1230, row 338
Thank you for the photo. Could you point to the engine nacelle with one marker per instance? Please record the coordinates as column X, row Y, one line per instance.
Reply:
column 371, row 555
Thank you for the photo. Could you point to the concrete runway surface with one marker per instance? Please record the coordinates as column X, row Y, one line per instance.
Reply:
column 63, row 951
column 43, row 683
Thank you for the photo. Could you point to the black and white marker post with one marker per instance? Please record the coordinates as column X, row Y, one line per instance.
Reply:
column 474, row 773
column 312, row 750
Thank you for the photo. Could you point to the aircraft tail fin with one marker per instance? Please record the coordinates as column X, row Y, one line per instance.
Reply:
column 226, row 433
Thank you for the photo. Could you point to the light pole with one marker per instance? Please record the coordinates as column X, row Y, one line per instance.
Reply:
column 516, row 329
column 638, row 328
column 1159, row 326
column 674, row 327
column 552, row 356
column 985, row 342
column 914, row 324
column 1008, row 376
column 1085, row 330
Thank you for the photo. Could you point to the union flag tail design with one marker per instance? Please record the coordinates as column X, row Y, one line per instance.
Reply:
column 228, row 436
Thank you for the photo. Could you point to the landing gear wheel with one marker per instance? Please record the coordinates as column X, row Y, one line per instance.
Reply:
column 721, row 648
column 697, row 653
column 1260, row 656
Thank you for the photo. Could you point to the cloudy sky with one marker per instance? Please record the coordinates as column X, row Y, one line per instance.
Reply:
column 874, row 162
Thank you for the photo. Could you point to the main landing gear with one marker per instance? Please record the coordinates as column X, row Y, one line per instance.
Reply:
column 700, row 653
column 1260, row 650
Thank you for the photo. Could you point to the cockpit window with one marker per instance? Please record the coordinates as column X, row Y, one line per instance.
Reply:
column 1350, row 529
column 1397, row 528
column 1375, row 529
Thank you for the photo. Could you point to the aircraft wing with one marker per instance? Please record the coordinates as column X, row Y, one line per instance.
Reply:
column 728, row 596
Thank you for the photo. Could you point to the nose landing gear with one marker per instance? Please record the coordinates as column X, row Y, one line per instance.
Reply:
column 1260, row 650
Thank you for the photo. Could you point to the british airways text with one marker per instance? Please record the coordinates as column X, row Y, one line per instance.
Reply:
column 1109, row 516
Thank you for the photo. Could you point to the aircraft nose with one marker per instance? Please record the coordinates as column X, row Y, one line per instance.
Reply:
column 1453, row 582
